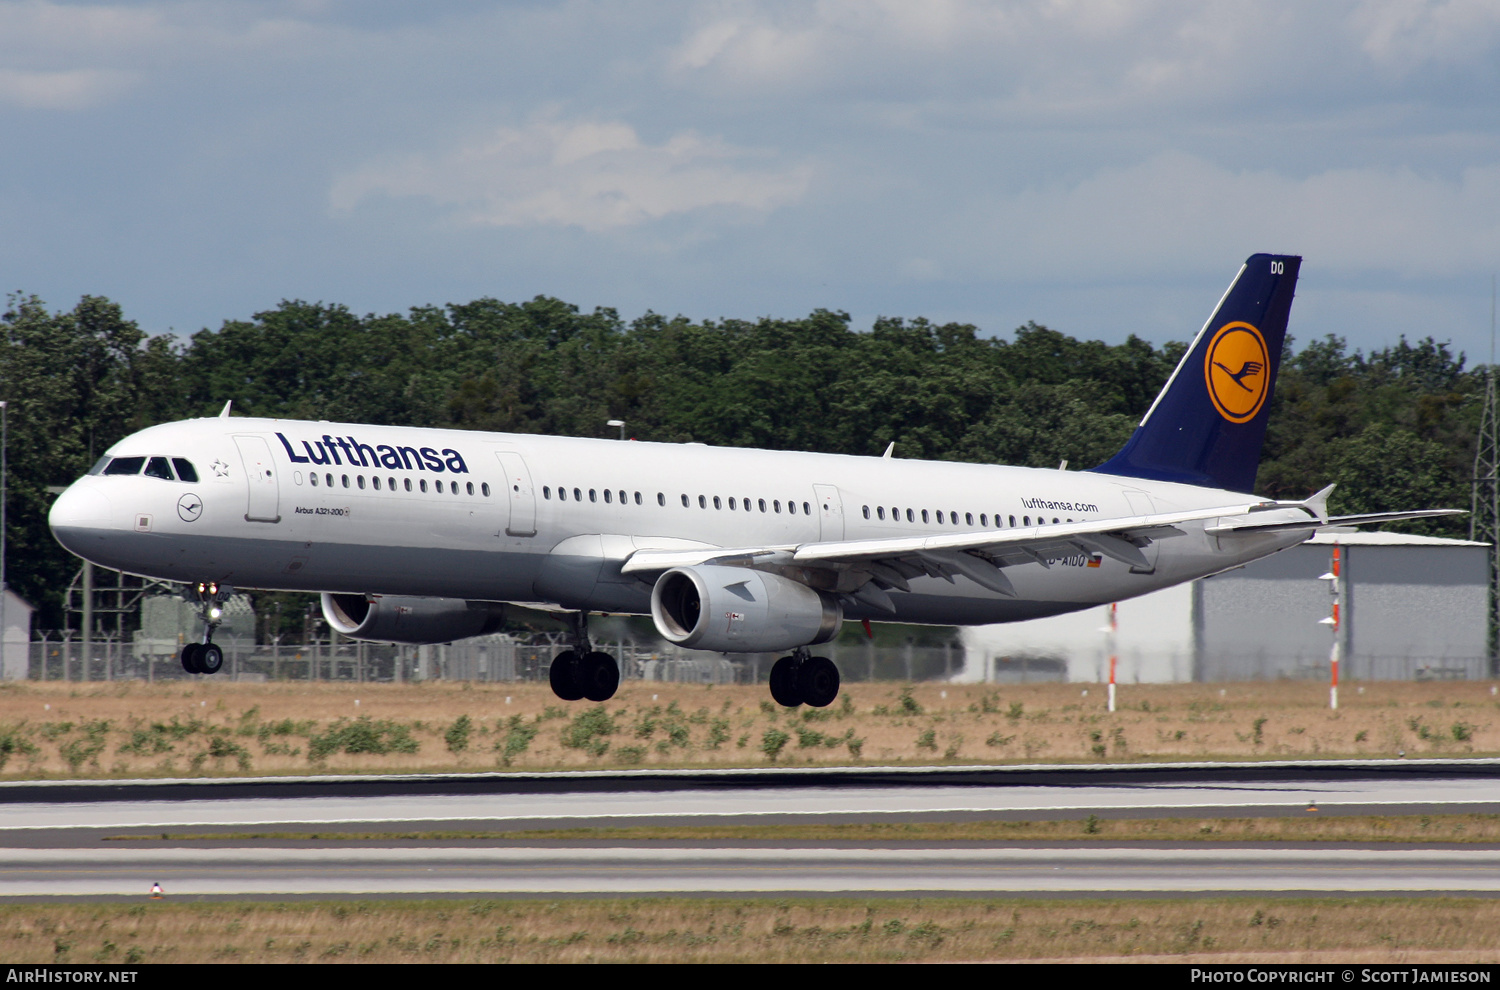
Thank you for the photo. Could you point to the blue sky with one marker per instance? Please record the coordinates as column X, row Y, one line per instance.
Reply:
column 1100, row 167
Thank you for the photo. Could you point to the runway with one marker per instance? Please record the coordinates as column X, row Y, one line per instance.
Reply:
column 64, row 840
column 283, row 872
column 714, row 797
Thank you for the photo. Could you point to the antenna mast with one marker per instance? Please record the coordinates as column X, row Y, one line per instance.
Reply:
column 1484, row 520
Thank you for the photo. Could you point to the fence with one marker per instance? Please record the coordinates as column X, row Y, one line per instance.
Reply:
column 503, row 658
column 484, row 658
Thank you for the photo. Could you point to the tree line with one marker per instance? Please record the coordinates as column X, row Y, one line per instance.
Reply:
column 1394, row 428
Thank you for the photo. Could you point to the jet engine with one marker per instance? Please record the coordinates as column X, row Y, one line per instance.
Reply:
column 738, row 610
column 419, row 621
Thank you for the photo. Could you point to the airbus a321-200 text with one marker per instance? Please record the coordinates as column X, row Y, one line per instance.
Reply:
column 423, row 536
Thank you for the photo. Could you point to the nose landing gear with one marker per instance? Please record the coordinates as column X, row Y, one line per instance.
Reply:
column 583, row 672
column 803, row 679
column 206, row 657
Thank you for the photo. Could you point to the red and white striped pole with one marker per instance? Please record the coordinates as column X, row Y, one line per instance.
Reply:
column 1113, row 652
column 1335, row 589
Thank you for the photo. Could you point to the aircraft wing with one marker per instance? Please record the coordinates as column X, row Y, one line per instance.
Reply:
column 1368, row 518
column 877, row 566
column 893, row 562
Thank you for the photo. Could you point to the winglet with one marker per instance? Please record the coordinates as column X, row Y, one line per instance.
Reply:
column 1319, row 502
column 224, row 413
column 890, row 448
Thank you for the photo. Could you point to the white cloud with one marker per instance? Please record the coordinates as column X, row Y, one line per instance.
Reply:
column 1180, row 211
column 594, row 175
column 1050, row 57
column 77, row 89
column 1404, row 34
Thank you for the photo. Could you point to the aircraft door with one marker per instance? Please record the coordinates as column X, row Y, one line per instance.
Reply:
column 260, row 480
column 830, row 512
column 519, row 494
column 1141, row 505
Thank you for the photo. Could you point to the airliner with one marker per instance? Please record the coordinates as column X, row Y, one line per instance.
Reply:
column 415, row 535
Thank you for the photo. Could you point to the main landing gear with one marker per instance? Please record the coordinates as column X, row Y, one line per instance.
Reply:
column 802, row 679
column 206, row 657
column 583, row 672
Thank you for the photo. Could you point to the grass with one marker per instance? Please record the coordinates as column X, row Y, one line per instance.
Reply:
column 1377, row 930
column 1463, row 828
column 132, row 729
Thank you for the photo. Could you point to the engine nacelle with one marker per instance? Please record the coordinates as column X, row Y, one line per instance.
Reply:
column 737, row 610
column 419, row 621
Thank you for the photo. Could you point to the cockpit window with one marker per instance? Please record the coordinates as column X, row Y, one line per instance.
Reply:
column 125, row 465
column 98, row 467
column 158, row 467
column 185, row 470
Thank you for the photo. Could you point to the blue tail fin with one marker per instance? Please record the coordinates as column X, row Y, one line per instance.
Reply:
column 1206, row 426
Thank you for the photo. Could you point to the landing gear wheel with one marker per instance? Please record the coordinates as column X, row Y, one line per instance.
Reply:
column 784, row 687
column 190, row 655
column 210, row 658
column 598, row 676
column 818, row 681
column 566, row 683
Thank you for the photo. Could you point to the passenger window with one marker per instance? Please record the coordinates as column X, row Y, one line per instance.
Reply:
column 376, row 483
column 345, row 479
column 328, row 480
column 485, row 489
column 968, row 518
column 1026, row 520
column 313, row 478
column 791, row 508
column 408, row 484
column 717, row 504
column 880, row 512
column 1054, row 520
column 940, row 515
column 157, row 467
column 391, row 483
column 953, row 516
column 185, row 469
column 762, row 504
column 637, row 498
column 746, row 503
column 867, row 512
column 360, row 480
column 453, row 488
column 578, row 495
column 661, row 498
column 125, row 465
column 732, row 503
column 911, row 516
column 469, row 487
column 684, row 501
column 609, row 496
column 623, row 498
column 1012, row 520
column 924, row 515
column 776, row 504
column 423, row 486
column 702, row 502
column 593, row 495
column 547, row 492
column 806, row 509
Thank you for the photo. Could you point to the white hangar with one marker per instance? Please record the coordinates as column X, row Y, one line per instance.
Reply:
column 1414, row 607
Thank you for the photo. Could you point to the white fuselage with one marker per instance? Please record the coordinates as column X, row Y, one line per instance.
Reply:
column 498, row 529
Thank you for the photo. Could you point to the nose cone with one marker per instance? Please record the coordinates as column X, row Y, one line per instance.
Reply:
column 79, row 514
